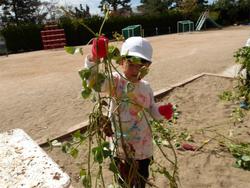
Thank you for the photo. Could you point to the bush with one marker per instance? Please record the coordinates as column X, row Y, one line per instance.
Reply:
column 27, row 37
column 22, row 37
column 77, row 34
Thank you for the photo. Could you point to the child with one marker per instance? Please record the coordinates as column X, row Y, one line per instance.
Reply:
column 133, row 94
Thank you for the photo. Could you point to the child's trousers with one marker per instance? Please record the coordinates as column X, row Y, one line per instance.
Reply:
column 134, row 172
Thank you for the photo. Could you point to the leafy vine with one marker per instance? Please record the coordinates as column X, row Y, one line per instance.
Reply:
column 100, row 151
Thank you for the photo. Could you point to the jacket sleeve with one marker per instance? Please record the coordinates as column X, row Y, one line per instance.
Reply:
column 154, row 108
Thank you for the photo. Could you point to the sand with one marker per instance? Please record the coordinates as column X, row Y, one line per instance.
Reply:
column 40, row 93
column 204, row 117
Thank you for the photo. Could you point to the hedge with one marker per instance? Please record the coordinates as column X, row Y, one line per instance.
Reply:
column 77, row 34
column 27, row 37
column 22, row 37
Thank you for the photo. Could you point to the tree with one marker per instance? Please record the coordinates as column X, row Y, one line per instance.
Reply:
column 227, row 11
column 244, row 10
column 76, row 12
column 155, row 6
column 51, row 9
column 81, row 12
column 19, row 11
column 202, row 3
column 119, row 7
column 188, row 6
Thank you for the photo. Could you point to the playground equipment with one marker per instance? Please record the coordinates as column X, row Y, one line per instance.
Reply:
column 185, row 26
column 202, row 19
column 52, row 37
column 132, row 30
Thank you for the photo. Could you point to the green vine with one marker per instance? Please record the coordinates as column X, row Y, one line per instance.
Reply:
column 99, row 149
column 243, row 58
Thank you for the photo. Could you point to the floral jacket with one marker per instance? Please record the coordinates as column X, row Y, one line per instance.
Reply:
column 136, row 106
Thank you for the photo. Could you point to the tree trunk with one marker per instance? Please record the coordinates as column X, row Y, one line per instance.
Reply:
column 15, row 11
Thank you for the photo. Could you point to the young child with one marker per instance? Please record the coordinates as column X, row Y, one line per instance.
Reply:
column 133, row 95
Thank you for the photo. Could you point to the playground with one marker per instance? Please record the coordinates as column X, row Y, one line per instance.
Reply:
column 203, row 117
column 40, row 93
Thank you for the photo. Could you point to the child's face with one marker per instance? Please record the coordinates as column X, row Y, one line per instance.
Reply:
column 132, row 70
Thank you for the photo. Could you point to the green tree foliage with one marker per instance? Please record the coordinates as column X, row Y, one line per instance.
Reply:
column 192, row 7
column 244, row 10
column 76, row 12
column 153, row 7
column 81, row 12
column 188, row 7
column 118, row 7
column 22, row 37
column 19, row 11
column 227, row 11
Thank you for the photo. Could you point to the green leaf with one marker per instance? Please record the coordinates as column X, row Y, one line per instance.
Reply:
column 101, row 152
column 113, row 52
column 74, row 152
column 86, row 92
column 98, row 154
column 86, row 181
column 84, row 84
column 70, row 50
column 105, row 144
column 100, row 78
column 85, row 74
column 99, row 157
column 56, row 143
column 242, row 154
column 106, row 149
column 82, row 172
column 66, row 147
column 73, row 50
column 113, row 168
column 245, row 158
column 238, row 163
column 78, row 136
column 106, row 153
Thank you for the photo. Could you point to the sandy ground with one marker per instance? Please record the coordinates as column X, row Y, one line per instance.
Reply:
column 40, row 91
column 204, row 117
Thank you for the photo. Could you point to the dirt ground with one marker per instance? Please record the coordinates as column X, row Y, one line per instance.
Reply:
column 40, row 91
column 205, row 119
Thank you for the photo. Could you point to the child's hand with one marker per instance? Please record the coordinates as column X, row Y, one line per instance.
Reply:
column 100, row 47
column 166, row 110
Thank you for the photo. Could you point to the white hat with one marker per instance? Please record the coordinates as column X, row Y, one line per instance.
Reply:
column 248, row 42
column 138, row 47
